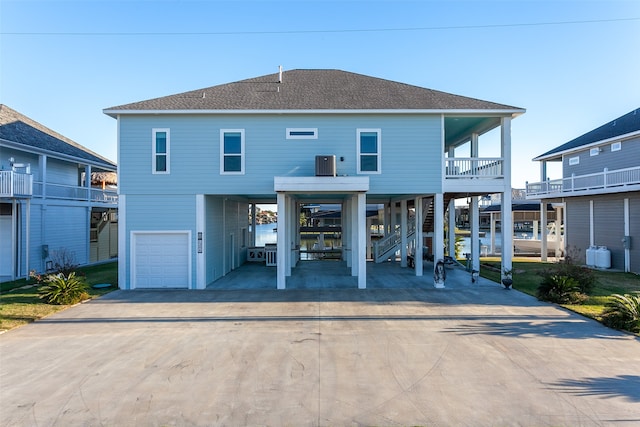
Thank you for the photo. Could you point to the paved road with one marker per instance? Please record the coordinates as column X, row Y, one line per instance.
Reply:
column 461, row 356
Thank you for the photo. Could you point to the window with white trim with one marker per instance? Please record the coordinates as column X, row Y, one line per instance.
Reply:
column 302, row 133
column 616, row 146
column 574, row 161
column 369, row 150
column 231, row 151
column 160, row 147
column 594, row 151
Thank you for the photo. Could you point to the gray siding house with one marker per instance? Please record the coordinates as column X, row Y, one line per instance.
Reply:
column 600, row 190
column 192, row 166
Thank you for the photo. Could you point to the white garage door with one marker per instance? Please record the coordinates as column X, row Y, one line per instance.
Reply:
column 161, row 260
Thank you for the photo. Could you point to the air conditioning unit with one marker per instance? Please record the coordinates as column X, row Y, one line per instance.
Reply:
column 326, row 165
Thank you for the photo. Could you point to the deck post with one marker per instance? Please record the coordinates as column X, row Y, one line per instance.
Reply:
column 282, row 239
column 403, row 233
column 506, row 214
column 362, row 240
column 417, row 255
column 543, row 231
column 452, row 228
column 354, row 235
column 474, row 214
column 438, row 231
column 200, row 242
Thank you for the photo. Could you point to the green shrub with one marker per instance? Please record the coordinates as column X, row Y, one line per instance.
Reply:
column 623, row 312
column 584, row 277
column 61, row 289
column 560, row 290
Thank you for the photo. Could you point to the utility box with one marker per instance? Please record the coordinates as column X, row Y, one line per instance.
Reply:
column 326, row 165
column 626, row 242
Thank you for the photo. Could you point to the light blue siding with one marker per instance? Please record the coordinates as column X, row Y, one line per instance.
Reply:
column 411, row 152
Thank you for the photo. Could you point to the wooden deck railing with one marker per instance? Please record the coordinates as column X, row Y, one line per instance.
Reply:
column 14, row 184
column 609, row 180
column 473, row 167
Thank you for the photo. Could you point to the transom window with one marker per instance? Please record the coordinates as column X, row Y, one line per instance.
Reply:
column 232, row 151
column 302, row 133
column 369, row 158
column 160, row 146
column 616, row 146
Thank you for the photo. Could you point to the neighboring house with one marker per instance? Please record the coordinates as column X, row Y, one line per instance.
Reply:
column 49, row 209
column 192, row 165
column 600, row 188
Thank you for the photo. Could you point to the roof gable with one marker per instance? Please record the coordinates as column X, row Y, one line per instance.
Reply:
column 623, row 125
column 313, row 90
column 20, row 129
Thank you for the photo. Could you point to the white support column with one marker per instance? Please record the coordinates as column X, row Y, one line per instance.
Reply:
column 474, row 214
column 506, row 215
column 345, row 229
column 200, row 242
column 438, row 231
column 387, row 219
column 28, row 239
column 355, row 230
column 291, row 227
column 452, row 228
column 361, row 252
column 419, row 239
column 543, row 231
column 369, row 254
column 492, row 230
column 347, row 241
column 627, row 232
column 123, row 253
column 282, row 242
column 253, row 224
column 403, row 233
column 392, row 225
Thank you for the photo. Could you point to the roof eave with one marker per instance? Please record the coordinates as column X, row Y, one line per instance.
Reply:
column 513, row 112
column 30, row 149
column 558, row 155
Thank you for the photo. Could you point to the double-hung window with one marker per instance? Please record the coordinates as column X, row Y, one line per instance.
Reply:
column 369, row 151
column 232, row 151
column 160, row 145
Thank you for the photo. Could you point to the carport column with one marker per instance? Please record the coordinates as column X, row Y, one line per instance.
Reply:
column 419, row 240
column 291, row 226
column 492, row 230
column 355, row 229
column 392, row 224
column 403, row 233
column 253, row 224
column 543, row 230
column 506, row 215
column 362, row 240
column 282, row 241
column 347, row 240
column 124, row 255
column 200, row 242
column 474, row 213
column 438, row 227
column 452, row 228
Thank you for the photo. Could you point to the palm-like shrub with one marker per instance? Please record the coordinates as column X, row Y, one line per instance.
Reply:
column 560, row 290
column 623, row 312
column 61, row 289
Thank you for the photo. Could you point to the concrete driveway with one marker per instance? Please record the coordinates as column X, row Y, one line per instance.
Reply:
column 466, row 355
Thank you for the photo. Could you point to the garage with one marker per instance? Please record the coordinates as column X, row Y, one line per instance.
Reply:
column 161, row 259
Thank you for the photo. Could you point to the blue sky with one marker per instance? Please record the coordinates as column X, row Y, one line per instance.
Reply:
column 573, row 65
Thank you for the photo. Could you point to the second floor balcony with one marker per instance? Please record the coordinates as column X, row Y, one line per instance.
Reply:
column 15, row 184
column 474, row 173
column 607, row 181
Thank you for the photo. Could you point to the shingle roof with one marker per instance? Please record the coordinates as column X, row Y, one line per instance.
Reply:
column 313, row 90
column 623, row 125
column 18, row 128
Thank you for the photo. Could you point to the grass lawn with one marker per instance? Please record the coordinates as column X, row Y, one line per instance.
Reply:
column 19, row 302
column 526, row 279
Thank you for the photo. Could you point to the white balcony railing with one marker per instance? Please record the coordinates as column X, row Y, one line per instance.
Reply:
column 605, row 180
column 14, row 184
column 473, row 167
column 72, row 192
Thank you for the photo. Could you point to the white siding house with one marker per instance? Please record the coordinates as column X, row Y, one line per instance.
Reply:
column 193, row 164
column 55, row 199
column 600, row 192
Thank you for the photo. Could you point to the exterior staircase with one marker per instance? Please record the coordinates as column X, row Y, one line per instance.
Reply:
column 384, row 248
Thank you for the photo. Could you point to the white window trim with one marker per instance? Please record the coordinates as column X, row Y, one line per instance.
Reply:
column 154, row 131
column 616, row 146
column 222, row 154
column 574, row 161
column 594, row 151
column 314, row 130
column 379, row 153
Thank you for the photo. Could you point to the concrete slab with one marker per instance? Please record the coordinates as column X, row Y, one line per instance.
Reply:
column 409, row 354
